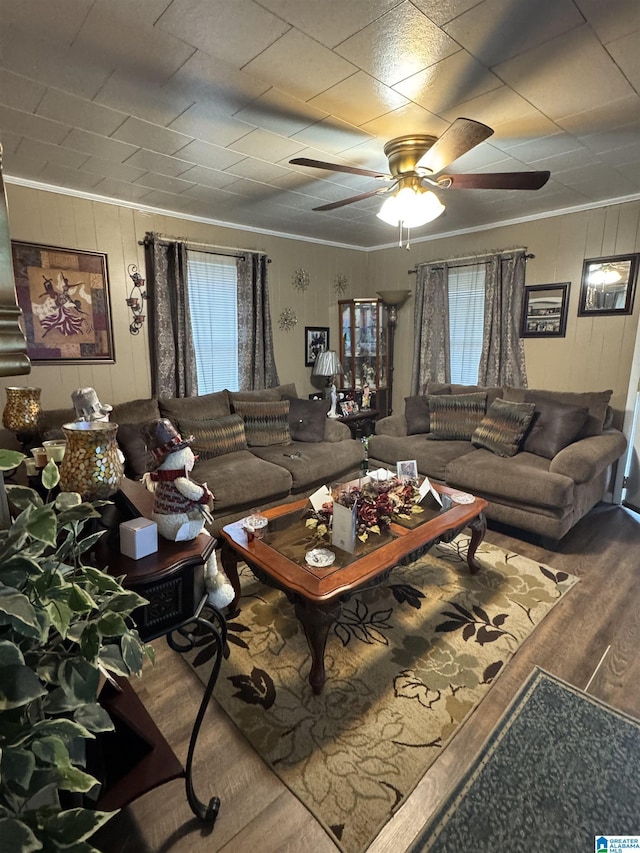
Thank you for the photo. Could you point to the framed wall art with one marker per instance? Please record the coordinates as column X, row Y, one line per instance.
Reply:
column 608, row 285
column 544, row 310
column 316, row 340
column 64, row 297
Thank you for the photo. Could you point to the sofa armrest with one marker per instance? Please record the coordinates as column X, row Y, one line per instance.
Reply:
column 395, row 425
column 336, row 431
column 586, row 458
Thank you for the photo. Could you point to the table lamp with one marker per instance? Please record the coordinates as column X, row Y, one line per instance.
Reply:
column 328, row 364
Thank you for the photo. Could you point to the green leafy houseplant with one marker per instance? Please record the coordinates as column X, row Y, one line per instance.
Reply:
column 63, row 626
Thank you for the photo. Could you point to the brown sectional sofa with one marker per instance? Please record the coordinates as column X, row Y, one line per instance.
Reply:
column 543, row 494
column 240, row 479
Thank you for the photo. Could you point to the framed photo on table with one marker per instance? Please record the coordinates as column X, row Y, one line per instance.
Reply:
column 64, row 297
column 544, row 310
column 316, row 340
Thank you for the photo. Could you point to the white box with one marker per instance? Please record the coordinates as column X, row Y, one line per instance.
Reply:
column 138, row 538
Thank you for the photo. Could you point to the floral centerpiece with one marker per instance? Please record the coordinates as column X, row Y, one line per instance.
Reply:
column 378, row 504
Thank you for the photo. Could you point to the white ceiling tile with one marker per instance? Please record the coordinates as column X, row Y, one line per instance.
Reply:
column 522, row 129
column 441, row 11
column 252, row 189
column 17, row 166
column 209, row 195
column 19, row 92
column 493, row 108
column 52, row 153
column 212, row 156
column 26, row 124
column 210, row 125
column 587, row 77
column 156, row 138
column 495, row 30
column 280, row 113
column 267, row 146
column 456, row 78
column 409, row 119
column 207, row 79
column 625, row 52
column 236, row 32
column 616, row 113
column 9, row 142
column 151, row 161
column 258, row 170
column 331, row 135
column 121, row 171
column 163, row 183
column 59, row 175
column 397, row 45
column 211, row 178
column 100, row 146
column 612, row 19
column 121, row 189
column 117, row 37
column 315, row 67
column 142, row 98
column 79, row 112
column 331, row 21
column 549, row 146
column 63, row 17
column 359, row 98
column 569, row 160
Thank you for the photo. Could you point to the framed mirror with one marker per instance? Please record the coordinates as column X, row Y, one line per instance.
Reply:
column 608, row 285
column 544, row 310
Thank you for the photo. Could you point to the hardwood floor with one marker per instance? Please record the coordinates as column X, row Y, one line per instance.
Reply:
column 590, row 639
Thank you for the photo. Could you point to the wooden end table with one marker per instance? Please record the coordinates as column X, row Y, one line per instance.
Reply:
column 317, row 594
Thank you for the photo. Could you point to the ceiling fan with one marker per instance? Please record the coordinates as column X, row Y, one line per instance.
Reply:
column 415, row 165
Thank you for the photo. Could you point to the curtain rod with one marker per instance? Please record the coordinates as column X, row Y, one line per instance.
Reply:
column 227, row 252
column 471, row 258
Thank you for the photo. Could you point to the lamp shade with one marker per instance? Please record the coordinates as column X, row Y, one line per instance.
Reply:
column 327, row 364
column 411, row 207
column 394, row 297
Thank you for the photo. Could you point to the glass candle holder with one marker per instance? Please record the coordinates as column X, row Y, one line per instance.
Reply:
column 91, row 465
column 22, row 410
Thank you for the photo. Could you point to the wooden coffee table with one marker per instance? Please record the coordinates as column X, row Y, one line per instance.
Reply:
column 317, row 593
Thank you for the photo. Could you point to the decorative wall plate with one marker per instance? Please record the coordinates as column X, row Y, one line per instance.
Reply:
column 301, row 280
column 288, row 320
column 340, row 283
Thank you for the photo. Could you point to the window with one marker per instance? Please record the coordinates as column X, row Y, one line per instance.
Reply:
column 213, row 298
column 466, row 321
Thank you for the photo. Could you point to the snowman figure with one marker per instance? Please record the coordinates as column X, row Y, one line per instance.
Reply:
column 181, row 505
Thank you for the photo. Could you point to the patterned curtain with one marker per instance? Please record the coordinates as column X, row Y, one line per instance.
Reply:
column 173, row 362
column 256, row 362
column 502, row 358
column 431, row 327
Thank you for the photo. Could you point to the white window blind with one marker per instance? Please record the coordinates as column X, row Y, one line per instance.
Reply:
column 466, row 314
column 213, row 299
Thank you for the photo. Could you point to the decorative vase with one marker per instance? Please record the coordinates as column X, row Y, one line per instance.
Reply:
column 92, row 464
column 22, row 410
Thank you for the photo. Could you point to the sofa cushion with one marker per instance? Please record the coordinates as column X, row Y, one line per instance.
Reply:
column 214, row 436
column 137, row 459
column 263, row 395
column 214, row 405
column 455, row 416
column 492, row 391
column 553, row 426
column 50, row 422
column 314, row 464
column 595, row 401
column 524, row 479
column 307, row 419
column 432, row 457
column 241, row 479
column 136, row 411
column 416, row 412
column 503, row 427
column 265, row 423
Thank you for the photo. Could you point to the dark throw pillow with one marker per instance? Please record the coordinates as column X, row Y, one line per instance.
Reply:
column 503, row 427
column 416, row 414
column 454, row 417
column 553, row 426
column 265, row 423
column 137, row 459
column 214, row 436
column 307, row 419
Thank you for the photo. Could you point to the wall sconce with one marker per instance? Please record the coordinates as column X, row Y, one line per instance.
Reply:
column 136, row 303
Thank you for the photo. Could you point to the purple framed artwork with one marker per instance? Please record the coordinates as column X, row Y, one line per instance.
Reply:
column 64, row 297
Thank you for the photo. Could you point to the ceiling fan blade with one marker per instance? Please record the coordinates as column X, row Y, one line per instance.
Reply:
column 337, row 167
column 334, row 204
column 460, row 137
column 496, row 181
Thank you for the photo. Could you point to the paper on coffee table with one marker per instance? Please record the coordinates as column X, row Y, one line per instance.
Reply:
column 319, row 497
column 425, row 488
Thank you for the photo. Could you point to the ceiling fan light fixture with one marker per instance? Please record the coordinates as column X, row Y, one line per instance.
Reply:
column 411, row 208
column 605, row 274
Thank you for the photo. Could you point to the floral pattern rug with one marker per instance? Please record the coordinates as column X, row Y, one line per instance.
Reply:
column 406, row 663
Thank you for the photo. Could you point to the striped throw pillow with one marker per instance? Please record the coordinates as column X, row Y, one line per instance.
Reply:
column 214, row 436
column 454, row 417
column 503, row 427
column 265, row 423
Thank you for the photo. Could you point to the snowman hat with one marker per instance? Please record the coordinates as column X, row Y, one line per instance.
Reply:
column 87, row 405
column 162, row 438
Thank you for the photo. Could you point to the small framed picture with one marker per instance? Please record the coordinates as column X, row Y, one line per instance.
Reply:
column 544, row 310
column 316, row 340
column 407, row 470
column 608, row 285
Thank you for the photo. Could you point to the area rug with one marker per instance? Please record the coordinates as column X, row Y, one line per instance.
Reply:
column 559, row 772
column 406, row 663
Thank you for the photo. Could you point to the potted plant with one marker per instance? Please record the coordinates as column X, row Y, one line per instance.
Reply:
column 64, row 626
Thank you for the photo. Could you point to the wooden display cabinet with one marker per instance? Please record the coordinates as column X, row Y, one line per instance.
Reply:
column 365, row 354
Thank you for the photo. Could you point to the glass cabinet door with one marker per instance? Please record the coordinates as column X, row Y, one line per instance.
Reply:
column 364, row 345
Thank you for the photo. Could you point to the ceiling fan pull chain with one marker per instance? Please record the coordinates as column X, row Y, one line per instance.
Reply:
column 400, row 234
column 408, row 244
